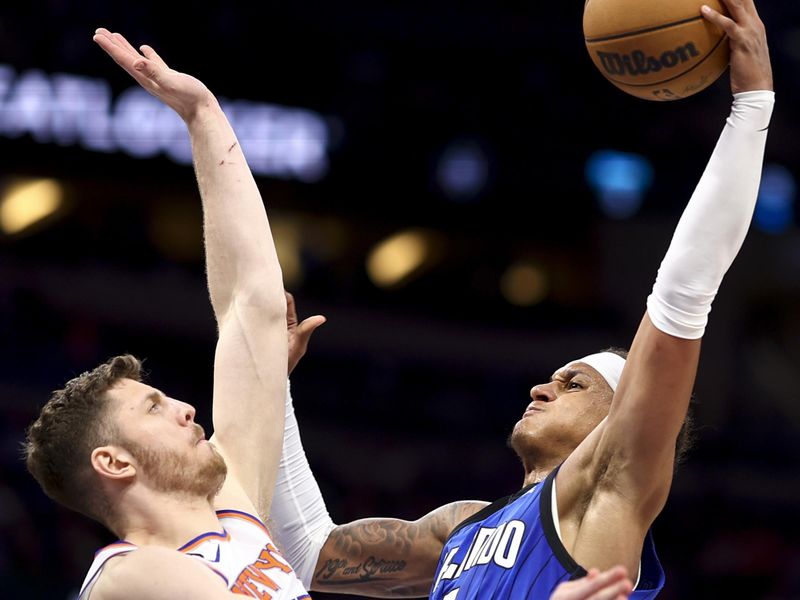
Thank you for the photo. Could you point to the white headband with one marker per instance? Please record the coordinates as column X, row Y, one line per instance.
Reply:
column 608, row 364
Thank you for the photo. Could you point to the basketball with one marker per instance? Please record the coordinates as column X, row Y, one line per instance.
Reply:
column 658, row 49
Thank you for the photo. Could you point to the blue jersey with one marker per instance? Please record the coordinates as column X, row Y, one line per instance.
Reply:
column 510, row 550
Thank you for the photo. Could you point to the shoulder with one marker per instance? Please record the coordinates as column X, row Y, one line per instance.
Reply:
column 474, row 512
column 244, row 527
column 154, row 572
column 227, row 516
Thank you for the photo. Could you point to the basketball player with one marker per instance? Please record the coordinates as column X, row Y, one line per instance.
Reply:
column 612, row 584
column 597, row 442
column 131, row 457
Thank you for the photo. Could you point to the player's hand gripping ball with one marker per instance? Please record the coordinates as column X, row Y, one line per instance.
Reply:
column 655, row 49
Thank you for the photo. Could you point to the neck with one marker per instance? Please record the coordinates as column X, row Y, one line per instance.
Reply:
column 538, row 467
column 537, row 474
column 169, row 520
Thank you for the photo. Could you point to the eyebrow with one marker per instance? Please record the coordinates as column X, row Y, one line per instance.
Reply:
column 157, row 396
column 567, row 375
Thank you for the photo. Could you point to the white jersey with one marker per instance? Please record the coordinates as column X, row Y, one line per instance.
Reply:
column 242, row 554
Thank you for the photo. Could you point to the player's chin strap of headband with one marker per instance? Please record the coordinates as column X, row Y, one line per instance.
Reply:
column 608, row 364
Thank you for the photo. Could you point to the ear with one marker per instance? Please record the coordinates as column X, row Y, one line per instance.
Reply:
column 112, row 462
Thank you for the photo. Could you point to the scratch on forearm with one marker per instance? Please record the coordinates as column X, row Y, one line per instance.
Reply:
column 233, row 146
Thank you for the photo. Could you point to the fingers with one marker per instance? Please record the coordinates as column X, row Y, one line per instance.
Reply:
column 141, row 68
column 739, row 8
column 616, row 591
column 120, row 39
column 307, row 327
column 124, row 55
column 727, row 24
column 291, row 310
column 298, row 342
column 618, row 573
column 153, row 55
column 120, row 56
column 743, row 16
column 750, row 67
column 608, row 585
column 150, row 71
column 115, row 44
column 614, row 585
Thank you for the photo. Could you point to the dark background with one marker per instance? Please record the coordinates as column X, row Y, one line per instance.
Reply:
column 408, row 394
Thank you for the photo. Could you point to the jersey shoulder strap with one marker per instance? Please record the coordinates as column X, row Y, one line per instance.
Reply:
column 492, row 508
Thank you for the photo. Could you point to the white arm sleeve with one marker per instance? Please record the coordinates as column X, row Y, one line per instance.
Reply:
column 299, row 521
column 714, row 223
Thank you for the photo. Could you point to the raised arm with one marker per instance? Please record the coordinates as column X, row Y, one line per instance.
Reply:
column 619, row 478
column 244, row 281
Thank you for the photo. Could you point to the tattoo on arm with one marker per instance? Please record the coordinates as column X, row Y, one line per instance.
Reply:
column 368, row 549
column 392, row 556
column 372, row 568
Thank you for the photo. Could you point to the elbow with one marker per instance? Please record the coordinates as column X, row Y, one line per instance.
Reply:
column 264, row 292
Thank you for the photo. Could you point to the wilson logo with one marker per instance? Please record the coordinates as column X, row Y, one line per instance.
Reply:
column 638, row 63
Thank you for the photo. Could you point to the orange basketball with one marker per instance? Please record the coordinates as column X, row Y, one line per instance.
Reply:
column 655, row 49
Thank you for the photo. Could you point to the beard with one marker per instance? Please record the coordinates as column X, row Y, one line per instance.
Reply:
column 172, row 472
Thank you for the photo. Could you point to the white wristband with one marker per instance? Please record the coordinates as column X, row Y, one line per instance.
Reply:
column 714, row 223
column 299, row 520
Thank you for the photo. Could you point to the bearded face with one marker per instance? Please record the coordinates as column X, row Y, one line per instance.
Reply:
column 199, row 473
column 169, row 449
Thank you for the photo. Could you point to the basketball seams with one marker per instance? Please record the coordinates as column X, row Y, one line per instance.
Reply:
column 677, row 75
column 620, row 36
column 661, row 50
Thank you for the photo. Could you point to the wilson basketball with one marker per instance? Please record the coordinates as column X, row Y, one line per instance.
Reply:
column 655, row 49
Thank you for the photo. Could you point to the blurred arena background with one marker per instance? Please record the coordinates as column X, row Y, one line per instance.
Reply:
column 462, row 195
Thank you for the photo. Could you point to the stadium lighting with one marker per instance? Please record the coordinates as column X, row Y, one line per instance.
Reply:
column 286, row 235
column 462, row 171
column 29, row 203
column 620, row 180
column 524, row 284
column 775, row 207
column 397, row 258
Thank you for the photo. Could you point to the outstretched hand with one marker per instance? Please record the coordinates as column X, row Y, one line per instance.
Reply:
column 608, row 585
column 183, row 93
column 750, row 64
column 299, row 333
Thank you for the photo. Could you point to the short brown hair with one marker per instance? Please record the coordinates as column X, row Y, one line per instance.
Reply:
column 69, row 427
